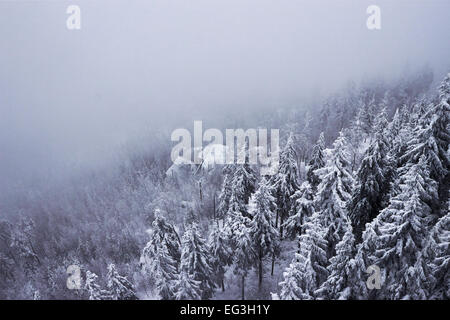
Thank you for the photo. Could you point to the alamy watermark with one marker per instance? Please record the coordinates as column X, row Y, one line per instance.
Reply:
column 250, row 146
column 73, row 21
column 374, row 280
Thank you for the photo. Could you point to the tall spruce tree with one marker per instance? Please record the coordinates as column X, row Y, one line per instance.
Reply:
column 430, row 277
column 431, row 138
column 339, row 282
column 285, row 182
column 398, row 135
column 224, row 196
column 94, row 290
column 302, row 210
column 333, row 194
column 242, row 186
column 161, row 267
column 395, row 238
column 242, row 244
column 221, row 254
column 289, row 287
column 372, row 179
column 263, row 233
column 119, row 286
column 186, row 288
column 164, row 232
column 195, row 260
column 308, row 270
column 317, row 161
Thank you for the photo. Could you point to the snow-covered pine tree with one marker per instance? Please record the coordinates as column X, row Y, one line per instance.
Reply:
column 333, row 195
column 225, row 193
column 242, row 187
column 290, row 289
column 419, row 110
column 356, row 285
column 430, row 277
column 302, row 210
column 161, row 267
column 161, row 256
column 369, row 115
column 263, row 233
column 317, row 161
column 381, row 122
column 243, row 251
column 357, row 127
column 395, row 238
column 364, row 118
column 119, row 286
column 339, row 282
column 186, row 288
column 397, row 134
column 285, row 182
column 164, row 232
column 310, row 260
column 432, row 138
column 236, row 205
column 94, row 290
column 220, row 253
column 372, row 179
column 195, row 260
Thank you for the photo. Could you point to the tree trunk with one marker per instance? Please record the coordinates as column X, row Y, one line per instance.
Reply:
column 273, row 263
column 243, row 287
column 273, row 255
column 281, row 227
column 276, row 220
column 260, row 271
column 223, row 286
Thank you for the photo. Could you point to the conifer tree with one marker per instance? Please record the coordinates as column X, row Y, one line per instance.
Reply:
column 243, row 251
column 242, row 186
column 303, row 209
column 333, row 194
column 357, row 127
column 364, row 119
column 398, row 134
column 311, row 261
column 94, row 290
column 339, row 282
column 431, row 138
column 195, row 260
column 369, row 115
column 186, row 288
column 224, row 196
column 285, row 182
column 395, row 238
column 221, row 254
column 372, row 179
column 164, row 232
column 356, row 271
column 290, row 289
column 317, row 161
column 119, row 286
column 263, row 233
column 430, row 277
column 161, row 267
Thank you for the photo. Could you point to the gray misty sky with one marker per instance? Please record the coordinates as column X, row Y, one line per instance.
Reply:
column 68, row 96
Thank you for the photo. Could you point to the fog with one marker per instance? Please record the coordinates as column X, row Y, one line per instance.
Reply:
column 73, row 96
